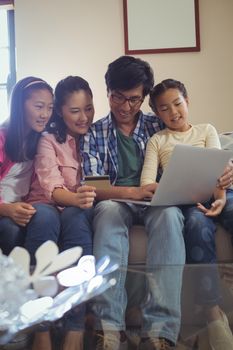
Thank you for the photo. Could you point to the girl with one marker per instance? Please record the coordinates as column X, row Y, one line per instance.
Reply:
column 63, row 206
column 30, row 109
column 169, row 100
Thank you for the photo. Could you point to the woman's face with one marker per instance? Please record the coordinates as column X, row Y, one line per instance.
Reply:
column 78, row 112
column 38, row 110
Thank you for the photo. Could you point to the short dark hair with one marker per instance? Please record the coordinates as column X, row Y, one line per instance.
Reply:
column 64, row 89
column 160, row 88
column 18, row 148
column 128, row 72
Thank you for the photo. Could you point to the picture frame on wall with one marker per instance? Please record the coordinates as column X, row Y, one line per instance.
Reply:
column 161, row 26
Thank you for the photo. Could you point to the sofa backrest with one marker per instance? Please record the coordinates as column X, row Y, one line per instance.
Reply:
column 226, row 140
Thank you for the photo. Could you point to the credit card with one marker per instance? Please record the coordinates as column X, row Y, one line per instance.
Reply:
column 101, row 182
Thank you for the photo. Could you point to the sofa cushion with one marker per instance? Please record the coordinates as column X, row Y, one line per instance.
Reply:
column 138, row 245
column 226, row 140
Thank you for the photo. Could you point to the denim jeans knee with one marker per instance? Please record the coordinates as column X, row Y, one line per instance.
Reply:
column 44, row 225
column 77, row 229
column 200, row 249
column 226, row 217
column 165, row 262
column 11, row 235
column 111, row 224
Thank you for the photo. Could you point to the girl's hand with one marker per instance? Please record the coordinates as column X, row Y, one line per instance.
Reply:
column 20, row 212
column 215, row 209
column 225, row 181
column 85, row 196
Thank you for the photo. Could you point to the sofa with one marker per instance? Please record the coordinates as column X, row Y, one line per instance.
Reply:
column 192, row 322
column 192, row 319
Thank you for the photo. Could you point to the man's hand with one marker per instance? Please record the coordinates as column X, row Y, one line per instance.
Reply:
column 215, row 209
column 139, row 193
column 20, row 212
column 225, row 181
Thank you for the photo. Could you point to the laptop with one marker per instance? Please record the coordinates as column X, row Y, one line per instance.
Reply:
column 190, row 176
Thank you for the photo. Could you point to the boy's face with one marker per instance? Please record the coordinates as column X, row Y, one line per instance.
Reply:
column 126, row 104
column 172, row 108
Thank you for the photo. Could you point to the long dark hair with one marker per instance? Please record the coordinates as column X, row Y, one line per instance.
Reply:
column 64, row 88
column 18, row 148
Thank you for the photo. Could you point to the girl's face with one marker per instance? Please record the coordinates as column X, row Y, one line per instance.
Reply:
column 172, row 108
column 78, row 112
column 38, row 110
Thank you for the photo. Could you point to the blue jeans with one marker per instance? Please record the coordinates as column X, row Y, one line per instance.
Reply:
column 200, row 248
column 226, row 217
column 68, row 228
column 164, row 227
column 11, row 235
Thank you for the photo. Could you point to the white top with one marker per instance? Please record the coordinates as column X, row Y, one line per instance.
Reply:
column 15, row 185
column 160, row 146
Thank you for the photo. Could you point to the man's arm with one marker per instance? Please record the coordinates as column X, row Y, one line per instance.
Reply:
column 123, row 192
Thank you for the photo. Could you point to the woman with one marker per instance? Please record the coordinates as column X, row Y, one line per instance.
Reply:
column 30, row 110
column 63, row 206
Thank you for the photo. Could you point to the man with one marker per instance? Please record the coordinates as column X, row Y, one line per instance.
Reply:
column 115, row 145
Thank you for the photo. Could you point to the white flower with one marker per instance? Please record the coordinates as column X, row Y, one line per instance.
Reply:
column 21, row 304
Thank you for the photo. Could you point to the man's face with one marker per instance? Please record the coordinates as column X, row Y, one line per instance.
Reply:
column 126, row 104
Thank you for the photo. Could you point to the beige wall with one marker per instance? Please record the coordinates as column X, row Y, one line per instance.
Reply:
column 55, row 38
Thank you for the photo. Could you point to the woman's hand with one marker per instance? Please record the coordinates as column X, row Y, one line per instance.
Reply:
column 20, row 212
column 225, row 181
column 215, row 209
column 85, row 196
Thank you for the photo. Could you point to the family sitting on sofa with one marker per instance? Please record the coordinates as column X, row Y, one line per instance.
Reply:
column 43, row 196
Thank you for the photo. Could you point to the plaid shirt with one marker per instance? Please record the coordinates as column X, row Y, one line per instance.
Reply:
column 99, row 145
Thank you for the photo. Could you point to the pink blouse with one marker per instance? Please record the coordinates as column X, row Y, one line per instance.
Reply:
column 56, row 166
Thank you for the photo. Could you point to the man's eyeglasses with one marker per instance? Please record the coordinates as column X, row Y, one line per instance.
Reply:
column 121, row 99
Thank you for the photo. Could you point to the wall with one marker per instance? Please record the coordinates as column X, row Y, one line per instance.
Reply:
column 56, row 38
